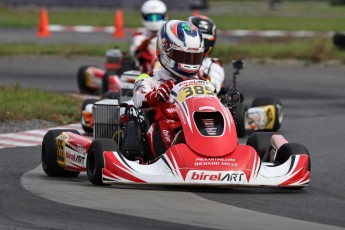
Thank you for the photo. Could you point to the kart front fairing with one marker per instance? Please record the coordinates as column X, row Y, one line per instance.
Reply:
column 182, row 166
column 208, row 126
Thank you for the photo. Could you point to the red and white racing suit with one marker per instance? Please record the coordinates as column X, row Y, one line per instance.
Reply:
column 212, row 70
column 166, row 124
column 143, row 49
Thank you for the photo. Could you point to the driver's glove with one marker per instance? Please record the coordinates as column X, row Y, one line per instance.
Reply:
column 161, row 94
column 164, row 90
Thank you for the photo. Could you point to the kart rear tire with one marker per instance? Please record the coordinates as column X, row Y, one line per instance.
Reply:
column 291, row 149
column 262, row 101
column 82, row 81
column 95, row 159
column 260, row 141
column 86, row 102
column 240, row 118
column 49, row 154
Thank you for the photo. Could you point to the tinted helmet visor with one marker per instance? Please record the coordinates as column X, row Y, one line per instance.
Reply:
column 153, row 17
column 185, row 57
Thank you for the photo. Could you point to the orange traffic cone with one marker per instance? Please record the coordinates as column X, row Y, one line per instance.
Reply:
column 43, row 30
column 118, row 25
column 195, row 13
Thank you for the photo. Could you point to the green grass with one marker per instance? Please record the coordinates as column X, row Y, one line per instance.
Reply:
column 13, row 49
column 296, row 15
column 278, row 23
column 311, row 49
column 21, row 104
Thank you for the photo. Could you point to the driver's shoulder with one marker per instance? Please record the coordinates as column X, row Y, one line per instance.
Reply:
column 142, row 76
column 217, row 61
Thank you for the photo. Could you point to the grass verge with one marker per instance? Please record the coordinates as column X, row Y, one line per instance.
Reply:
column 13, row 49
column 312, row 49
column 316, row 16
column 22, row 104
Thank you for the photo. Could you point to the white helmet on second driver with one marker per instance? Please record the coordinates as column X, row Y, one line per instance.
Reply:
column 153, row 14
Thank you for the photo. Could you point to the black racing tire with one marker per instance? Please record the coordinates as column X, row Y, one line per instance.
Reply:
column 105, row 82
column 95, row 159
column 81, row 78
column 112, row 95
column 339, row 40
column 87, row 129
column 83, row 88
column 262, row 101
column 290, row 149
column 49, row 154
column 240, row 118
column 106, row 93
column 260, row 141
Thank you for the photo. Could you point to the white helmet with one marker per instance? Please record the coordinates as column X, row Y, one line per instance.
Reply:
column 153, row 14
column 180, row 48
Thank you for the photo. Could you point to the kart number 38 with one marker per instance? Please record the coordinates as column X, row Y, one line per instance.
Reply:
column 194, row 90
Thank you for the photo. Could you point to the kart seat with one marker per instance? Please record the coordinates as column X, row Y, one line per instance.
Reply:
column 132, row 146
column 179, row 138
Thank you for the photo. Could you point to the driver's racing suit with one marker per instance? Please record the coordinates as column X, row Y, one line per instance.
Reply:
column 143, row 49
column 166, row 124
column 212, row 69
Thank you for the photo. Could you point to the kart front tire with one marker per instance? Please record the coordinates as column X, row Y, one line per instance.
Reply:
column 86, row 102
column 291, row 149
column 263, row 101
column 95, row 159
column 49, row 154
column 260, row 141
column 240, row 118
column 81, row 79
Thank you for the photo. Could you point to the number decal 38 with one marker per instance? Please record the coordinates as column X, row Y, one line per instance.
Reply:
column 194, row 90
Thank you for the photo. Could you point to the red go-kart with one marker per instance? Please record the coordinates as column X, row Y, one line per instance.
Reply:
column 205, row 152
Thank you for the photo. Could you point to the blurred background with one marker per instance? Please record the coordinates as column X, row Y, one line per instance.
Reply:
column 128, row 4
column 279, row 29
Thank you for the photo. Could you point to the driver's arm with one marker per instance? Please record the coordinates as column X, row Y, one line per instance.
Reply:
column 148, row 92
column 212, row 69
column 216, row 75
column 142, row 86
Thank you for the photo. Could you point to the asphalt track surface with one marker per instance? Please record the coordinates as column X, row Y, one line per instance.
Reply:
column 314, row 107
